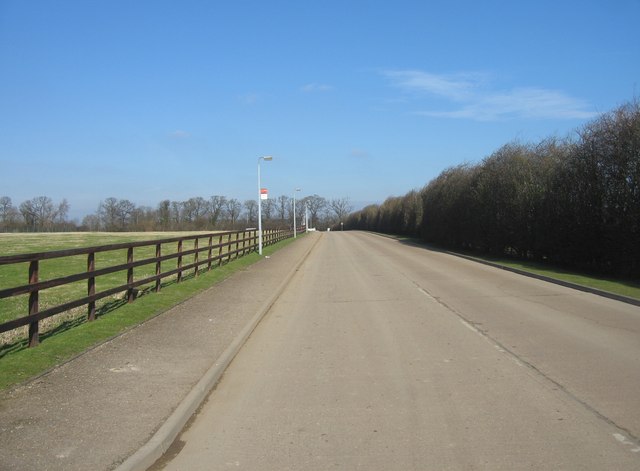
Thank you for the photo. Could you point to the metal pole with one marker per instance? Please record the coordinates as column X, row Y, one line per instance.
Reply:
column 294, row 212
column 259, row 211
column 268, row 157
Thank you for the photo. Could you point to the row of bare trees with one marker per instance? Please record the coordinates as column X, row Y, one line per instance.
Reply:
column 40, row 214
column 574, row 202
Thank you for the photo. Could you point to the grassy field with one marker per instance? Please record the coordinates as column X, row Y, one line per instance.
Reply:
column 17, row 274
column 19, row 363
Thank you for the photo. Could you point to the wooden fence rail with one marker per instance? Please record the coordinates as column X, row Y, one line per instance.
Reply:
column 220, row 247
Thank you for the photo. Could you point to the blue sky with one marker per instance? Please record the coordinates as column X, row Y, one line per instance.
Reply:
column 152, row 100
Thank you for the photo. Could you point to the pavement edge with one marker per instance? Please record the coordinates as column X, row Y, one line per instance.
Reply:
column 155, row 448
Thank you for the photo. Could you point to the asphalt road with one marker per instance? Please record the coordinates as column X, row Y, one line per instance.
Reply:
column 381, row 355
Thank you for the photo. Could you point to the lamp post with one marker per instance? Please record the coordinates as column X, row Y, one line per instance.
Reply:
column 266, row 158
column 294, row 212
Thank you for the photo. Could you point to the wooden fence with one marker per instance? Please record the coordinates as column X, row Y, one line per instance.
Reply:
column 219, row 248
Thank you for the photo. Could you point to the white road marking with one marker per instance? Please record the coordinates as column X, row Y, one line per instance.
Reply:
column 625, row 441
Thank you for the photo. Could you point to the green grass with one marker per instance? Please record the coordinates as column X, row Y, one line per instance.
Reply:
column 17, row 274
column 629, row 288
column 19, row 363
column 624, row 287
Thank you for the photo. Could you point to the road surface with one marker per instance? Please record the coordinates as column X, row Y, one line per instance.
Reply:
column 382, row 355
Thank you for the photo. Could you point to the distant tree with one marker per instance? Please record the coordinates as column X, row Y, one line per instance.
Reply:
column 125, row 211
column 176, row 214
column 195, row 212
column 8, row 214
column 251, row 211
column 315, row 204
column 108, row 214
column 282, row 205
column 217, row 206
column 91, row 223
column 116, row 215
column 163, row 214
column 143, row 219
column 268, row 208
column 341, row 208
column 62, row 212
column 233, row 208
column 38, row 213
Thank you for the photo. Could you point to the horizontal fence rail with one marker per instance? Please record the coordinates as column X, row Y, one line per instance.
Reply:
column 205, row 252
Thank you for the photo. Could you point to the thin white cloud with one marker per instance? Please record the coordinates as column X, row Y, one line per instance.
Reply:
column 179, row 134
column 249, row 98
column 316, row 87
column 456, row 87
column 473, row 98
column 359, row 154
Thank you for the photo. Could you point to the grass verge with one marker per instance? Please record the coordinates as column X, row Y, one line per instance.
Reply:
column 624, row 287
column 19, row 363
column 629, row 288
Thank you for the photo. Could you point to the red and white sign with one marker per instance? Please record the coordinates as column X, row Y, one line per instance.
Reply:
column 264, row 194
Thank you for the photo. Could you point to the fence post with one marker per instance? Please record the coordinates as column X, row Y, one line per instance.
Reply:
column 91, row 286
column 179, row 261
column 220, row 251
column 195, row 257
column 34, row 334
column 158, row 267
column 130, row 293
column 209, row 253
column 244, row 243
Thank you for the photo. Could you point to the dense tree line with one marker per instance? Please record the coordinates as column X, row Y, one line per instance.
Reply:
column 573, row 202
column 40, row 214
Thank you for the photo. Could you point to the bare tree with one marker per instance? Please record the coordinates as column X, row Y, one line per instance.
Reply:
column 176, row 213
column 8, row 214
column 108, row 213
column 38, row 213
column 233, row 208
column 195, row 211
column 251, row 209
column 268, row 208
column 217, row 204
column 62, row 212
column 115, row 214
column 163, row 214
column 125, row 212
column 341, row 207
column 282, row 206
column 143, row 218
column 315, row 204
column 91, row 222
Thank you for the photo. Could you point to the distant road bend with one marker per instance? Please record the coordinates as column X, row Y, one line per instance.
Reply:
column 381, row 355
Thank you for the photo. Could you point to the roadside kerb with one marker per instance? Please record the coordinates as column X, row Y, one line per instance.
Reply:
column 567, row 284
column 153, row 450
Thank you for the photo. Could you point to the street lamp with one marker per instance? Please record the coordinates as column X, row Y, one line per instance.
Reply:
column 294, row 212
column 266, row 158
